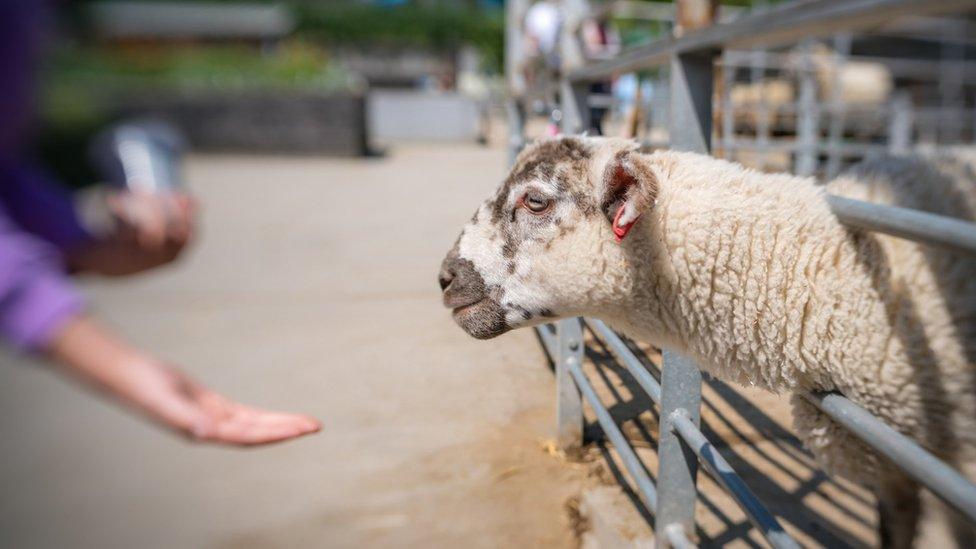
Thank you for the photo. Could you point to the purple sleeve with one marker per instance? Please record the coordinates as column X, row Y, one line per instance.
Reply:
column 31, row 200
column 36, row 299
column 42, row 208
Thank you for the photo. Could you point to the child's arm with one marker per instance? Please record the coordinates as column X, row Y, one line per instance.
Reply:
column 100, row 359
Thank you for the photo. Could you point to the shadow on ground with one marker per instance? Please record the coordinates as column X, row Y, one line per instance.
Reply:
column 750, row 428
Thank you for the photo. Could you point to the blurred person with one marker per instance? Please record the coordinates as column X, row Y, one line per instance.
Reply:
column 590, row 36
column 42, row 238
column 541, row 58
column 542, row 25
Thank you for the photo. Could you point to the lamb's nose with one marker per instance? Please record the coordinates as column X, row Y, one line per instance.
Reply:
column 445, row 278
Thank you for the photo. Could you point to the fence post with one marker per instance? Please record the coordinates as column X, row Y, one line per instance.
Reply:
column 569, row 405
column 514, row 15
column 900, row 124
column 838, row 107
column 515, row 111
column 680, row 390
column 757, row 77
column 692, row 83
column 729, row 70
column 807, row 117
column 575, row 110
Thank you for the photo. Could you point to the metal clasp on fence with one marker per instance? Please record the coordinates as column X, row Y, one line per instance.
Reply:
column 682, row 445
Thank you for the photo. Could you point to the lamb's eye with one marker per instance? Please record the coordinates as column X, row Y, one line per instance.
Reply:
column 535, row 203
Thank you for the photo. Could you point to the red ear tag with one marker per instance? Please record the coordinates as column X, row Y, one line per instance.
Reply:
column 620, row 231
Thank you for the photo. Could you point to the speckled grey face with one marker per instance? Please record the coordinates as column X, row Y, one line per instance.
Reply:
column 487, row 278
column 522, row 259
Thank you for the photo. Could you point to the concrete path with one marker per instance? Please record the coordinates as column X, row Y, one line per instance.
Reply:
column 312, row 288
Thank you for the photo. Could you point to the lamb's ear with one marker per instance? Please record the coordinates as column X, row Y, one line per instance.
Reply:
column 629, row 189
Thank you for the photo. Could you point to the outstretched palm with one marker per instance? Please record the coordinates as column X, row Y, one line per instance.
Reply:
column 206, row 416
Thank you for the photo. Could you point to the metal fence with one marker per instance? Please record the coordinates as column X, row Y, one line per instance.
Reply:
column 682, row 445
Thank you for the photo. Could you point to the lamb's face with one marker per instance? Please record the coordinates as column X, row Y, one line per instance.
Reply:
column 518, row 261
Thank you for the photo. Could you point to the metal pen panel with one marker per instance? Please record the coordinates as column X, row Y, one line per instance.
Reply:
column 574, row 106
column 922, row 466
column 569, row 407
column 725, row 475
column 624, row 354
column 633, row 464
column 690, row 129
column 938, row 230
column 787, row 23
column 678, row 469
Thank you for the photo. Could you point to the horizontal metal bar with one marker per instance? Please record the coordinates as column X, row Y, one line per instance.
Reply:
column 937, row 230
column 634, row 366
column 788, row 23
column 676, row 536
column 723, row 473
column 549, row 340
column 790, row 146
column 919, row 464
column 913, row 68
column 645, row 486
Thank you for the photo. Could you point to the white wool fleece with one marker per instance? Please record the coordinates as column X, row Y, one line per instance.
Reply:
column 753, row 276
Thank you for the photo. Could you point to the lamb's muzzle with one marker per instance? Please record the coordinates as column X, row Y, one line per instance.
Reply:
column 463, row 291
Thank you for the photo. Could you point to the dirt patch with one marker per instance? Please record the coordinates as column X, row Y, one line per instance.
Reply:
column 523, row 492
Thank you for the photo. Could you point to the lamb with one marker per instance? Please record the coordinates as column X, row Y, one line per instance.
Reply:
column 752, row 276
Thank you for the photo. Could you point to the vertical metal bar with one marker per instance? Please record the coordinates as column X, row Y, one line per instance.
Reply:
column 838, row 108
column 516, row 128
column 573, row 96
column 808, row 117
column 680, row 390
column 569, row 406
column 951, row 82
column 900, row 124
column 728, row 110
column 575, row 110
column 757, row 77
column 691, row 102
column 514, row 15
column 661, row 103
column 690, row 130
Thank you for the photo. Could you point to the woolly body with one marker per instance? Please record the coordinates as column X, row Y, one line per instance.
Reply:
column 753, row 276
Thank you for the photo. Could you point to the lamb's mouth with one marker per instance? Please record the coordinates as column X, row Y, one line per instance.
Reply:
column 459, row 310
column 483, row 319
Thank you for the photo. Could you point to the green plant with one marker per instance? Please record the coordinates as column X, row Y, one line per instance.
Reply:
column 440, row 26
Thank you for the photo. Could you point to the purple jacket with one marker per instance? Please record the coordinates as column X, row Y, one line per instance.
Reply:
column 37, row 221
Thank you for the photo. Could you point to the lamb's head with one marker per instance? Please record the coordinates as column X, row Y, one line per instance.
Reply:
column 543, row 245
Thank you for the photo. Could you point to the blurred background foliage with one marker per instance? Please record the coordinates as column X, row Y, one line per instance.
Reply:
column 84, row 72
column 75, row 76
column 430, row 25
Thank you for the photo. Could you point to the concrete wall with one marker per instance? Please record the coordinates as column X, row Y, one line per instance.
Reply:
column 422, row 115
column 286, row 123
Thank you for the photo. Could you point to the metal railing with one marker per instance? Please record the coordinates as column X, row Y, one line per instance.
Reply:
column 682, row 445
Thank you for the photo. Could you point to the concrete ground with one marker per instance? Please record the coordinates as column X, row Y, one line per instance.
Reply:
column 313, row 288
